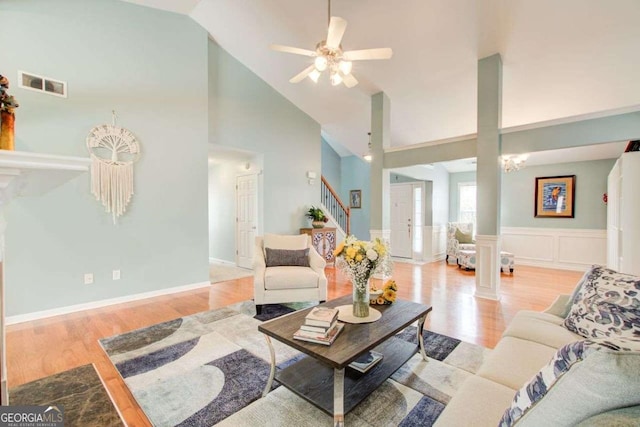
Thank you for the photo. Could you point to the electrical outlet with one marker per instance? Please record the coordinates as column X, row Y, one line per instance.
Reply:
column 88, row 278
column 116, row 274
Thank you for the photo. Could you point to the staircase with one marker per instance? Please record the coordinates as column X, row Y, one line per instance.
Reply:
column 338, row 213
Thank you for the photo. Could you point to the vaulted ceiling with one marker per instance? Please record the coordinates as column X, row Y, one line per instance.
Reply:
column 561, row 58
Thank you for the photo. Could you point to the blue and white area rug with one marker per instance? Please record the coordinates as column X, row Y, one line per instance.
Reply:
column 210, row 368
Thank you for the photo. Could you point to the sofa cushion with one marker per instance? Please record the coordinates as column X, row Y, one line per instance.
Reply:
column 287, row 257
column 478, row 402
column 584, row 378
column 623, row 417
column 279, row 241
column 606, row 305
column 514, row 361
column 543, row 328
column 290, row 278
column 463, row 237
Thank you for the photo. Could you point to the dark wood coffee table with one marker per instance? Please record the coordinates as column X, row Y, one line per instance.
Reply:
column 322, row 378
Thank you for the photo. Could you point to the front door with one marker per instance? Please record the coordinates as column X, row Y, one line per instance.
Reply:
column 246, row 218
column 401, row 218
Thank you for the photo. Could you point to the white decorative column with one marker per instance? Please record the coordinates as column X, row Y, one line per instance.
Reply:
column 380, row 177
column 489, row 177
column 380, row 139
column 488, row 252
column 27, row 174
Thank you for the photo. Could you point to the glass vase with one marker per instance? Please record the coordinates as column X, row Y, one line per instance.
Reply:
column 361, row 298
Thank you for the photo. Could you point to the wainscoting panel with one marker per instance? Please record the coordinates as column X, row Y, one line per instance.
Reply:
column 440, row 239
column 435, row 243
column 562, row 248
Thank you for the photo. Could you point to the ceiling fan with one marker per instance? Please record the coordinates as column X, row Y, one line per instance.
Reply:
column 329, row 55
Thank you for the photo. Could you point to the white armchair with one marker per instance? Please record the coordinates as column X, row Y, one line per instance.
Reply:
column 281, row 274
column 453, row 245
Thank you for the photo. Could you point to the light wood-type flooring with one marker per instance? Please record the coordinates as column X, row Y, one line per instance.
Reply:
column 45, row 347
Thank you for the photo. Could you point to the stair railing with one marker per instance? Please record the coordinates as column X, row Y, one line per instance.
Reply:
column 334, row 205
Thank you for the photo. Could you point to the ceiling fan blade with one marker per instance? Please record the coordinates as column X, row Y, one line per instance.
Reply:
column 299, row 77
column 337, row 26
column 365, row 54
column 295, row 50
column 349, row 81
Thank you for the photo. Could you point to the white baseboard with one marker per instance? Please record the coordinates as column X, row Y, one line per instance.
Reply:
column 222, row 261
column 11, row 320
column 561, row 248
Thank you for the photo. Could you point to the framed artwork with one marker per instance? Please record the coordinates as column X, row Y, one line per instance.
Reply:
column 355, row 199
column 555, row 196
column 633, row 146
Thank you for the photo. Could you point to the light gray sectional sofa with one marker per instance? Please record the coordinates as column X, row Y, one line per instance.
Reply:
column 577, row 363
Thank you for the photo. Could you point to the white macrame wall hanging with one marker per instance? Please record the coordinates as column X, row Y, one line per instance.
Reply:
column 113, row 152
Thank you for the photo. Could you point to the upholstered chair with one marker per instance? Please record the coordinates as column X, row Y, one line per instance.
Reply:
column 287, row 268
column 453, row 244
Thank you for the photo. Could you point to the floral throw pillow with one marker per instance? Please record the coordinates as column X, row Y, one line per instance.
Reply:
column 606, row 305
column 582, row 379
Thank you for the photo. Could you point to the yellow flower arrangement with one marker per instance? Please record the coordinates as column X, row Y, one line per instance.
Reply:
column 388, row 295
column 360, row 259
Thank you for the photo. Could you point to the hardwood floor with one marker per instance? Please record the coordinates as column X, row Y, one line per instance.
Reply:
column 45, row 347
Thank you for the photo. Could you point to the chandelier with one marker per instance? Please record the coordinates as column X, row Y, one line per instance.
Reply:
column 512, row 163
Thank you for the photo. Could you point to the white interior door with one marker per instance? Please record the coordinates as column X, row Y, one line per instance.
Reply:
column 401, row 220
column 246, row 218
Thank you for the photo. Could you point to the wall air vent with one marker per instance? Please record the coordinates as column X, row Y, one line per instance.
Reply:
column 42, row 84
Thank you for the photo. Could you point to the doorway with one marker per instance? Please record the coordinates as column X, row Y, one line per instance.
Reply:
column 247, row 218
column 235, row 205
column 407, row 212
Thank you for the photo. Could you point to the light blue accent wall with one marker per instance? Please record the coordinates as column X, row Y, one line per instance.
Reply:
column 454, row 180
column 331, row 167
column 151, row 67
column 356, row 176
column 246, row 113
column 518, row 190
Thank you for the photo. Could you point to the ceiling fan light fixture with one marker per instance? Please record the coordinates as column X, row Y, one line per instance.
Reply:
column 330, row 56
column 321, row 63
column 314, row 75
column 345, row 67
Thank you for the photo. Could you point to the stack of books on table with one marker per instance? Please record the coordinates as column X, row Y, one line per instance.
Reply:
column 320, row 326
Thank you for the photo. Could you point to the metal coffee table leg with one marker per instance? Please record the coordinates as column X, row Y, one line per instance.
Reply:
column 338, row 397
column 272, row 374
column 421, row 338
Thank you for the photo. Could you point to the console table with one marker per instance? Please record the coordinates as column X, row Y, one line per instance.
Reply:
column 324, row 241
